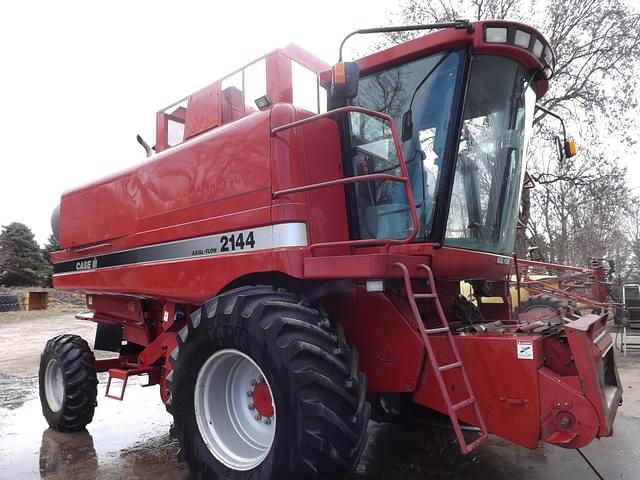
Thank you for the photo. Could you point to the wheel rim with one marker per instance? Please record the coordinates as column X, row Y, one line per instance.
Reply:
column 54, row 385
column 234, row 409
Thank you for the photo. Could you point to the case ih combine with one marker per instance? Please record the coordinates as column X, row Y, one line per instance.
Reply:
column 284, row 273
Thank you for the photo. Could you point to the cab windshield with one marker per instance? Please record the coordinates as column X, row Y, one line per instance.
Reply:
column 489, row 169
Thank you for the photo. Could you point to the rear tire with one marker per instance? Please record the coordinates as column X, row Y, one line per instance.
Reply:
column 317, row 394
column 68, row 383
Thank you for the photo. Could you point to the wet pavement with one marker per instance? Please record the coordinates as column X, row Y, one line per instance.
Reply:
column 130, row 439
column 127, row 439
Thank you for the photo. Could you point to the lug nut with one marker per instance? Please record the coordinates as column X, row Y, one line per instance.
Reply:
column 251, row 406
column 249, row 393
column 254, row 383
column 267, row 421
column 258, row 417
column 260, row 379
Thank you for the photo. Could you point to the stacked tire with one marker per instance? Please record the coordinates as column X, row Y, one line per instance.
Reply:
column 9, row 302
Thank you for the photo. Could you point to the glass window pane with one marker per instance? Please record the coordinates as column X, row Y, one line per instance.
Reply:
column 382, row 204
column 175, row 132
column 176, row 115
column 490, row 164
column 418, row 93
column 322, row 100
column 232, row 98
column 255, row 84
column 305, row 87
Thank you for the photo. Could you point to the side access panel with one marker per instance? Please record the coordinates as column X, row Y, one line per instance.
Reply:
column 503, row 371
column 390, row 351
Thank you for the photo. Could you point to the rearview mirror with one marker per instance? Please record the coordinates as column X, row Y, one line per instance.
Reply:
column 345, row 77
column 566, row 148
column 407, row 125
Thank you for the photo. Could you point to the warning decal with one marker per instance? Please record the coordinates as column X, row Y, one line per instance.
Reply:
column 525, row 349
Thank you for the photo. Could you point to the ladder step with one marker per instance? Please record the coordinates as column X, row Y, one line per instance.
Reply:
column 437, row 330
column 464, row 403
column 444, row 368
column 424, row 295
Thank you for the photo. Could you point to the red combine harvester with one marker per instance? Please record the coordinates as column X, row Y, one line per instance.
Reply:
column 288, row 263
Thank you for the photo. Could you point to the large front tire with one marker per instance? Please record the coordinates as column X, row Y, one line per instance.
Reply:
column 264, row 387
column 68, row 383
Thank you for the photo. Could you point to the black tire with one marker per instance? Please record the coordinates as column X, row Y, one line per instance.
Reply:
column 8, row 298
column 548, row 303
column 9, row 307
column 78, row 367
column 317, row 389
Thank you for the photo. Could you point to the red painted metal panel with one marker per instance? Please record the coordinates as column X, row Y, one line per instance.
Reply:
column 115, row 201
column 360, row 266
column 191, row 281
column 565, row 410
column 203, row 111
column 390, row 350
column 505, row 387
column 230, row 166
column 279, row 88
column 460, row 264
column 323, row 162
column 225, row 163
column 124, row 308
column 77, row 219
column 590, row 341
column 287, row 169
column 216, row 224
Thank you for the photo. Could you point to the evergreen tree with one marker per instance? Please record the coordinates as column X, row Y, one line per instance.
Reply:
column 52, row 245
column 21, row 261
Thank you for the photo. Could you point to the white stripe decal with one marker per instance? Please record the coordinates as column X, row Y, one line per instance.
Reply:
column 281, row 235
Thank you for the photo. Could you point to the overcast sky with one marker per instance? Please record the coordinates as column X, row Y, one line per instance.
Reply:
column 79, row 79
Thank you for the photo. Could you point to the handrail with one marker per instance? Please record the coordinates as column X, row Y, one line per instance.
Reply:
column 359, row 178
column 340, row 181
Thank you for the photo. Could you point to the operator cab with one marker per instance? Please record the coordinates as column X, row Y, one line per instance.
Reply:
column 462, row 101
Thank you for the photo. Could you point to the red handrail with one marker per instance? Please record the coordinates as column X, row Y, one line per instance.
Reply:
column 359, row 178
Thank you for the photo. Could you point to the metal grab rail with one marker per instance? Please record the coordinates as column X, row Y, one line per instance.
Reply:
column 359, row 178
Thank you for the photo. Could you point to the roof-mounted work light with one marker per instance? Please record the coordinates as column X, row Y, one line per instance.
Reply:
column 520, row 36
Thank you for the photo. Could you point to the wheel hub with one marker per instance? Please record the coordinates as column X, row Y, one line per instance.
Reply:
column 262, row 400
column 54, row 385
column 234, row 409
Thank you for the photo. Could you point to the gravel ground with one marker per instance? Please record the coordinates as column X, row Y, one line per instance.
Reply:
column 130, row 439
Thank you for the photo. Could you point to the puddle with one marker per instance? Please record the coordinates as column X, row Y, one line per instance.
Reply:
column 130, row 439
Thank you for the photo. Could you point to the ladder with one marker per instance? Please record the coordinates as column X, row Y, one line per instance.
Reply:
column 438, row 369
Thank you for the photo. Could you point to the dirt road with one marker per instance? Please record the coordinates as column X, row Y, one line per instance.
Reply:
column 130, row 439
